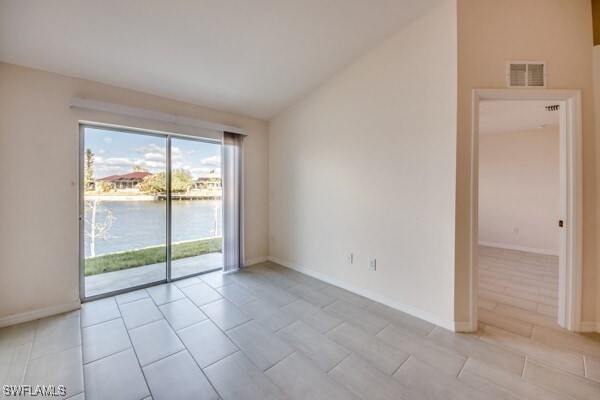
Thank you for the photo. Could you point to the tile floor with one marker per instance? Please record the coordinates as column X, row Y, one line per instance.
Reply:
column 272, row 333
column 518, row 306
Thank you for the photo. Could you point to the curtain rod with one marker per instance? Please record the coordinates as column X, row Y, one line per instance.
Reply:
column 79, row 102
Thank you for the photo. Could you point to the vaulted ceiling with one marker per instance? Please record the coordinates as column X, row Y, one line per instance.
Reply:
column 254, row 57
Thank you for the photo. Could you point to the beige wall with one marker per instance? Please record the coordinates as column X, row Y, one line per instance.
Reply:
column 491, row 33
column 596, row 19
column 596, row 142
column 519, row 188
column 39, row 146
column 366, row 164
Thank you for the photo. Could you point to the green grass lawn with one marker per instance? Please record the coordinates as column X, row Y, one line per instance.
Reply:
column 150, row 255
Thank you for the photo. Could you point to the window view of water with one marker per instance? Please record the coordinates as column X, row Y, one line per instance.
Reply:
column 126, row 178
column 139, row 224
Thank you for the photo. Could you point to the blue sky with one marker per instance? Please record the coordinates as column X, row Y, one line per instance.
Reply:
column 116, row 153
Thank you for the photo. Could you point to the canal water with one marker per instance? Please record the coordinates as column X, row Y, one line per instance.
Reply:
column 138, row 224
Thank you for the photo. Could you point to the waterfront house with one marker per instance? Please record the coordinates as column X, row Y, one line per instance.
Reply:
column 208, row 182
column 128, row 181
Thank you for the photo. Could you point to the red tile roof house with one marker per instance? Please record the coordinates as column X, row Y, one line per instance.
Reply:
column 127, row 181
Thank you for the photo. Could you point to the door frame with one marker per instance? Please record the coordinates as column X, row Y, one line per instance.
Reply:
column 168, row 203
column 571, row 194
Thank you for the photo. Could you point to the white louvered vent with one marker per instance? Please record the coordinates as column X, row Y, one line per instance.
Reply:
column 523, row 74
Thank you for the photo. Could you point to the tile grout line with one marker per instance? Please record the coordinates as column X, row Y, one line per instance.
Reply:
column 428, row 335
column 183, row 327
column 463, row 367
column 400, row 366
column 81, row 344
column 168, row 302
column 344, row 359
column 108, row 320
column 237, row 326
column 250, row 302
column 132, row 301
column 76, row 394
column 29, row 353
column 165, row 357
column 295, row 301
column 280, row 361
column 337, row 326
column 201, row 369
column 382, row 329
column 286, row 326
column 58, row 351
column 524, row 367
column 135, row 352
column 140, row 326
column 430, row 330
column 210, row 302
column 106, row 356
column 188, row 286
column 199, row 322
column 221, row 359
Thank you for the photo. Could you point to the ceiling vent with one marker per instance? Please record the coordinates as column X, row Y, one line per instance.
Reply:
column 524, row 74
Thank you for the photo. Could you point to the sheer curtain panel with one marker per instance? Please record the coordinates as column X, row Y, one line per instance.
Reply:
column 233, row 202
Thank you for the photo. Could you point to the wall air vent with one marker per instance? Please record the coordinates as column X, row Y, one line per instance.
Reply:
column 526, row 74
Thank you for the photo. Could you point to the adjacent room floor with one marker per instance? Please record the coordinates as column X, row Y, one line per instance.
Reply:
column 517, row 290
column 273, row 333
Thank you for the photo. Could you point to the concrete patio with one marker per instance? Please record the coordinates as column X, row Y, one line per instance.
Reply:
column 117, row 280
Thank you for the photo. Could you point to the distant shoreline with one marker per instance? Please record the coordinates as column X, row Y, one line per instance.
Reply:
column 119, row 197
column 145, row 197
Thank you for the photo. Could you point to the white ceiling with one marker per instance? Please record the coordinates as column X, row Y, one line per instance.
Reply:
column 254, row 57
column 503, row 116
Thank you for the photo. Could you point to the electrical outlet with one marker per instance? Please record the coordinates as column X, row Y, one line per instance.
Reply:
column 372, row 263
column 516, row 230
column 350, row 258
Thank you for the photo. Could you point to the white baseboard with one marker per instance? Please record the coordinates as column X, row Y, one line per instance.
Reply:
column 415, row 312
column 520, row 248
column 256, row 260
column 590, row 327
column 40, row 313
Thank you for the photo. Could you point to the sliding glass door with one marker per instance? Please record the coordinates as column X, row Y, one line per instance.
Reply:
column 150, row 209
column 196, row 212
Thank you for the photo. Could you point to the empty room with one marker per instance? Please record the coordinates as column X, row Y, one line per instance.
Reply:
column 266, row 199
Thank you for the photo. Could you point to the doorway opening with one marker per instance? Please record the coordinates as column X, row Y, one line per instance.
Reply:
column 526, row 209
column 519, row 213
column 150, row 209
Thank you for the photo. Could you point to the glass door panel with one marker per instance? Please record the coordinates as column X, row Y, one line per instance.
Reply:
column 124, row 209
column 196, row 212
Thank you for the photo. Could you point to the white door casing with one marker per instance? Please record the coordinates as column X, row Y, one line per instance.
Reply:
column 571, row 197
